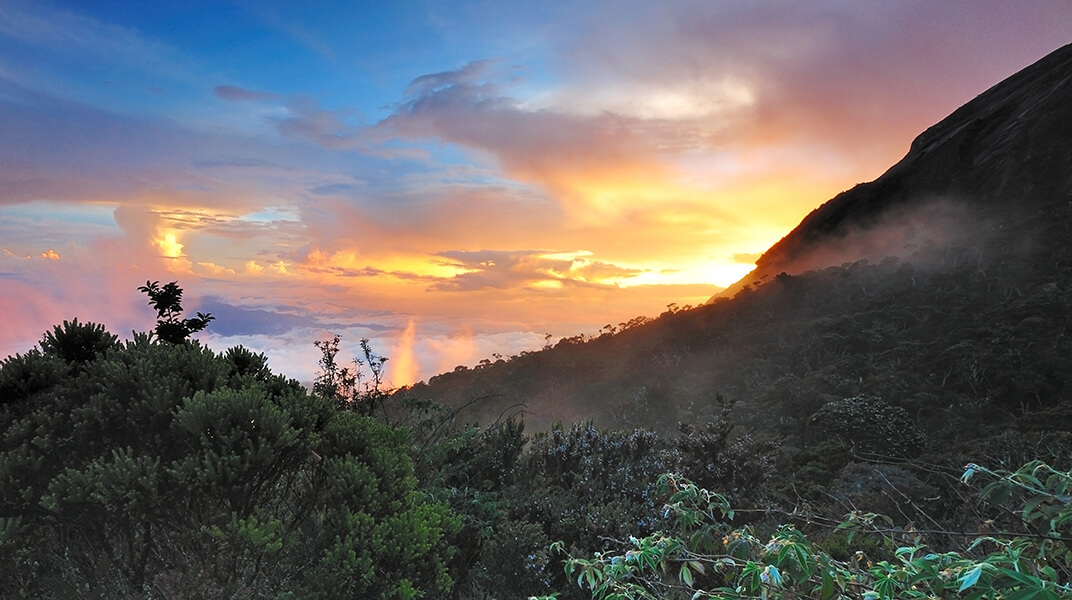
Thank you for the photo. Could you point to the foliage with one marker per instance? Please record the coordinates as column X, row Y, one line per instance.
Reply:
column 167, row 301
column 704, row 556
column 349, row 388
column 78, row 343
column 583, row 485
column 871, row 426
column 246, row 363
column 158, row 469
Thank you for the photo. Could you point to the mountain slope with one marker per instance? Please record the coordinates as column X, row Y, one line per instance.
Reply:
column 944, row 288
column 1006, row 151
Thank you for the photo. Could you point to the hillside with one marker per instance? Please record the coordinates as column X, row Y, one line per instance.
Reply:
column 996, row 161
column 941, row 287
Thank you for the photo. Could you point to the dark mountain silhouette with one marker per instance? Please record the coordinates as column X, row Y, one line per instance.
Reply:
column 1006, row 154
column 943, row 288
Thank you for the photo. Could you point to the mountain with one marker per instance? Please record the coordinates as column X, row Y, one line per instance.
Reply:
column 1005, row 152
column 943, row 288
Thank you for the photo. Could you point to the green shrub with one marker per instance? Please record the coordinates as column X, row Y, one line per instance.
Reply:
column 165, row 470
column 703, row 556
column 871, row 426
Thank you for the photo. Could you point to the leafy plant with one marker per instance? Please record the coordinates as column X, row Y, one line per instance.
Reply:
column 78, row 343
column 705, row 557
column 871, row 426
column 167, row 301
column 167, row 470
column 350, row 388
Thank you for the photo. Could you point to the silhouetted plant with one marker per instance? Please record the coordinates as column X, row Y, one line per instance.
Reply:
column 333, row 382
column 246, row 362
column 348, row 387
column 167, row 301
column 77, row 342
column 23, row 375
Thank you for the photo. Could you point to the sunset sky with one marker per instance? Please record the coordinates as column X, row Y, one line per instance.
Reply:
column 449, row 179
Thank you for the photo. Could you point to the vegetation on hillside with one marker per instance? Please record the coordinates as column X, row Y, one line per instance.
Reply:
column 156, row 468
column 968, row 338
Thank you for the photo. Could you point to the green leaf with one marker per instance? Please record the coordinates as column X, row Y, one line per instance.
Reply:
column 996, row 493
column 1020, row 577
column 1030, row 505
column 686, row 574
column 970, row 578
column 829, row 588
column 1023, row 594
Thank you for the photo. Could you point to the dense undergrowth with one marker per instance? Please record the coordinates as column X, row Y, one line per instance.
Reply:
column 157, row 468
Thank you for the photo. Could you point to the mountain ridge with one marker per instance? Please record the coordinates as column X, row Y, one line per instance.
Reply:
column 965, row 155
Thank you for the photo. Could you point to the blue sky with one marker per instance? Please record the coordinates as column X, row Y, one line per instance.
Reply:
column 450, row 179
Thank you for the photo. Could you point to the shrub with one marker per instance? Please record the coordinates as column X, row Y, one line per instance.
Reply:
column 78, row 343
column 161, row 469
column 871, row 426
column 704, row 557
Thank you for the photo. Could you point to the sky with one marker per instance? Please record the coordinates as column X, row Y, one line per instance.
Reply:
column 451, row 180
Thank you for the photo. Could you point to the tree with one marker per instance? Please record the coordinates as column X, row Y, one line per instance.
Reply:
column 167, row 470
column 167, row 300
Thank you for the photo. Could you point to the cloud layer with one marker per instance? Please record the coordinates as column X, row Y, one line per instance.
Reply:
column 455, row 181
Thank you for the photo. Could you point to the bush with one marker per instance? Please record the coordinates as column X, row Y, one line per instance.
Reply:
column 78, row 343
column 871, row 426
column 166, row 470
column 704, row 557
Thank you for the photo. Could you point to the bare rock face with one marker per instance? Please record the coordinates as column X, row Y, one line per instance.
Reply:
column 1000, row 162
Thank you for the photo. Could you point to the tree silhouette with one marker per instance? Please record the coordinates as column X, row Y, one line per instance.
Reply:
column 167, row 301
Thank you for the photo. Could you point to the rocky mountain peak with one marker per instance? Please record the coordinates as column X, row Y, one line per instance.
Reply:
column 1004, row 156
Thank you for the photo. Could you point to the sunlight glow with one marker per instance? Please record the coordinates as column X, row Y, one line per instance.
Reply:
column 722, row 273
column 169, row 245
column 404, row 369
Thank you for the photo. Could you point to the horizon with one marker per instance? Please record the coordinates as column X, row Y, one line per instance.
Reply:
column 449, row 180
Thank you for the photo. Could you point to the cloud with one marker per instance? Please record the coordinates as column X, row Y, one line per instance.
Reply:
column 531, row 269
column 237, row 94
column 657, row 143
column 856, row 79
column 58, row 149
column 332, row 189
column 649, row 102
column 291, row 27
column 403, row 368
column 469, row 107
column 305, row 120
column 475, row 75
column 369, row 272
